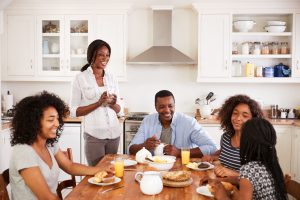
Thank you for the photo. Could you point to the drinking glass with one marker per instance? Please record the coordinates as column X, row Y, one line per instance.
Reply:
column 185, row 155
column 119, row 167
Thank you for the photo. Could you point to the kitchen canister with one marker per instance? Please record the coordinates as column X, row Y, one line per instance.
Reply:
column 268, row 72
column 45, row 47
column 236, row 68
column 249, row 69
column 259, row 71
column 245, row 48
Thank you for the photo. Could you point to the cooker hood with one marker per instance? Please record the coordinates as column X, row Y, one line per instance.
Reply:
column 162, row 51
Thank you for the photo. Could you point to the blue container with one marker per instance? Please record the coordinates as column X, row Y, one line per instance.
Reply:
column 268, row 72
column 282, row 70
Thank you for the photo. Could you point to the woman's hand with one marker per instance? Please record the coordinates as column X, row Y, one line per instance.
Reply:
column 112, row 99
column 223, row 171
column 104, row 99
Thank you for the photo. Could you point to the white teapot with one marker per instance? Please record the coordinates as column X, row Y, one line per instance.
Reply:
column 150, row 182
column 141, row 155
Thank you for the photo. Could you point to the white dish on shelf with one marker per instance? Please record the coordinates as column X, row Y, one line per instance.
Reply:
column 243, row 25
column 275, row 29
column 276, row 23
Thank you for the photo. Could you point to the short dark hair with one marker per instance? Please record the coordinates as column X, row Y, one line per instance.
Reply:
column 227, row 109
column 258, row 142
column 28, row 114
column 92, row 51
column 163, row 93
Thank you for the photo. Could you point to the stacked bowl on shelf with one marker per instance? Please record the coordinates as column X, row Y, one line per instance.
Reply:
column 275, row 26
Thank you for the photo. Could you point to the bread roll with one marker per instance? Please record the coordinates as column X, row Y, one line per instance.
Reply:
column 99, row 176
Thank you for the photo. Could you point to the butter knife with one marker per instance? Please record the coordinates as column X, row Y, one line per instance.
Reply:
column 114, row 188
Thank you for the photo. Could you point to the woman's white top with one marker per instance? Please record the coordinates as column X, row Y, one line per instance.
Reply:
column 102, row 123
column 24, row 156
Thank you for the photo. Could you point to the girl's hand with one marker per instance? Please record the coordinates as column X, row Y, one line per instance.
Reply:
column 223, row 171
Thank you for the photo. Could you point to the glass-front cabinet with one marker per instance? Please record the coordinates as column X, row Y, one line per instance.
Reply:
column 62, row 44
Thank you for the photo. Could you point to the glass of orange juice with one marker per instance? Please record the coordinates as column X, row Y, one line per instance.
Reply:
column 119, row 167
column 185, row 155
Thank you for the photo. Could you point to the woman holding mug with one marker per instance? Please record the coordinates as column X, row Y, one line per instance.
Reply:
column 95, row 95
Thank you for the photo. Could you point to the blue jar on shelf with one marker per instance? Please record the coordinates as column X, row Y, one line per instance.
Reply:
column 282, row 70
column 268, row 72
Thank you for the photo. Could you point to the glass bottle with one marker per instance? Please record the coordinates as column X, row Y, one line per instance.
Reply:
column 275, row 48
column 245, row 48
column 265, row 48
column 236, row 68
column 235, row 48
column 284, row 48
column 257, row 49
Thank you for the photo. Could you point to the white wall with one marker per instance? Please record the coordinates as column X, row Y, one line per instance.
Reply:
column 144, row 81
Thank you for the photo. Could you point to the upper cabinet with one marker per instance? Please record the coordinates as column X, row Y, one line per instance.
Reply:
column 20, row 46
column 62, row 43
column 238, row 44
column 52, row 46
column 111, row 28
column 213, row 45
column 296, row 70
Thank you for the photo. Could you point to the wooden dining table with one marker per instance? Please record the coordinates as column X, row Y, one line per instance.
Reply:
column 131, row 189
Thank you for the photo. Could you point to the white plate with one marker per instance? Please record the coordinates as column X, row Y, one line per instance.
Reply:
column 211, row 166
column 91, row 180
column 204, row 191
column 127, row 162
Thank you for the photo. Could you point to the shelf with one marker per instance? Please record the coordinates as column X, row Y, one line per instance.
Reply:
column 284, row 34
column 79, row 34
column 235, row 56
column 51, row 55
column 249, row 80
column 51, row 34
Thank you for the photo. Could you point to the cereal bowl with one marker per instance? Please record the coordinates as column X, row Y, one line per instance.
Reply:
column 162, row 163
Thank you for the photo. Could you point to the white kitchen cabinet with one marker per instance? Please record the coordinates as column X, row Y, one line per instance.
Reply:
column 214, row 131
column 5, row 149
column 284, row 147
column 71, row 138
column 62, row 43
column 295, row 164
column 214, row 37
column 20, row 45
column 296, row 68
column 112, row 29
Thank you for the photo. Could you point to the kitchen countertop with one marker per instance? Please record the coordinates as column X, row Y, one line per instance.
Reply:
column 295, row 122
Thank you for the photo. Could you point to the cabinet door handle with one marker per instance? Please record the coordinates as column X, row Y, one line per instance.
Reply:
column 31, row 63
column 226, row 65
column 61, row 64
column 67, row 64
column 297, row 64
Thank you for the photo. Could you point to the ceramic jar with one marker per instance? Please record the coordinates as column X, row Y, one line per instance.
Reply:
column 141, row 155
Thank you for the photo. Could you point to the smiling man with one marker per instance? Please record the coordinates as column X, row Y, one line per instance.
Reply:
column 172, row 128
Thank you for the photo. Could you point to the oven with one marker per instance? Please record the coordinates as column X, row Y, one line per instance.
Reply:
column 131, row 126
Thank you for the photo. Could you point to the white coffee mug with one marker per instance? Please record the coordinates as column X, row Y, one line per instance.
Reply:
column 159, row 149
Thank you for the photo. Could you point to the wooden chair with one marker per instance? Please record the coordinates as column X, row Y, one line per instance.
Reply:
column 4, row 181
column 66, row 183
column 293, row 188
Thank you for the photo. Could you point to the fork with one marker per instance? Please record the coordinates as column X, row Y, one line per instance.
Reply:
column 110, row 189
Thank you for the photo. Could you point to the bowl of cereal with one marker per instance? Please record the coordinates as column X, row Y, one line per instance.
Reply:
column 162, row 163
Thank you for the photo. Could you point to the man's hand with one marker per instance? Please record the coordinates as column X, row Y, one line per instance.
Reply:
column 171, row 150
column 151, row 143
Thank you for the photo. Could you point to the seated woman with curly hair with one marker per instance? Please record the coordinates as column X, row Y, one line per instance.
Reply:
column 233, row 114
column 36, row 156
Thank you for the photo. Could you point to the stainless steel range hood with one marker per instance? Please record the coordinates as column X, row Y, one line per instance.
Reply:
column 162, row 51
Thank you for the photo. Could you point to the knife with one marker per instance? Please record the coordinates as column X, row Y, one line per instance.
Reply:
column 114, row 188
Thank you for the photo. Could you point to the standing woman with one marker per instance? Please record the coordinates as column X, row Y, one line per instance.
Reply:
column 233, row 114
column 95, row 95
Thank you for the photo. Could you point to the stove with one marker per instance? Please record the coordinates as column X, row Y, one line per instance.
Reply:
column 131, row 126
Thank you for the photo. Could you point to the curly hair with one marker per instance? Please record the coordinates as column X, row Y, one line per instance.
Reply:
column 28, row 115
column 227, row 109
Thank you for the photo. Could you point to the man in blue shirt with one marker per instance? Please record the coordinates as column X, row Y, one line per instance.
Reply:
column 172, row 128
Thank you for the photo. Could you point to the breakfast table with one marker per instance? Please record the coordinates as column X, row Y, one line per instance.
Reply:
column 130, row 189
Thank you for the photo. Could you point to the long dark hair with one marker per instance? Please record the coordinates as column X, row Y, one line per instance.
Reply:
column 227, row 109
column 258, row 142
column 28, row 114
column 92, row 51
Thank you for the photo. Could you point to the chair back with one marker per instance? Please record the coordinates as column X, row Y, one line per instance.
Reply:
column 293, row 189
column 4, row 181
column 66, row 183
